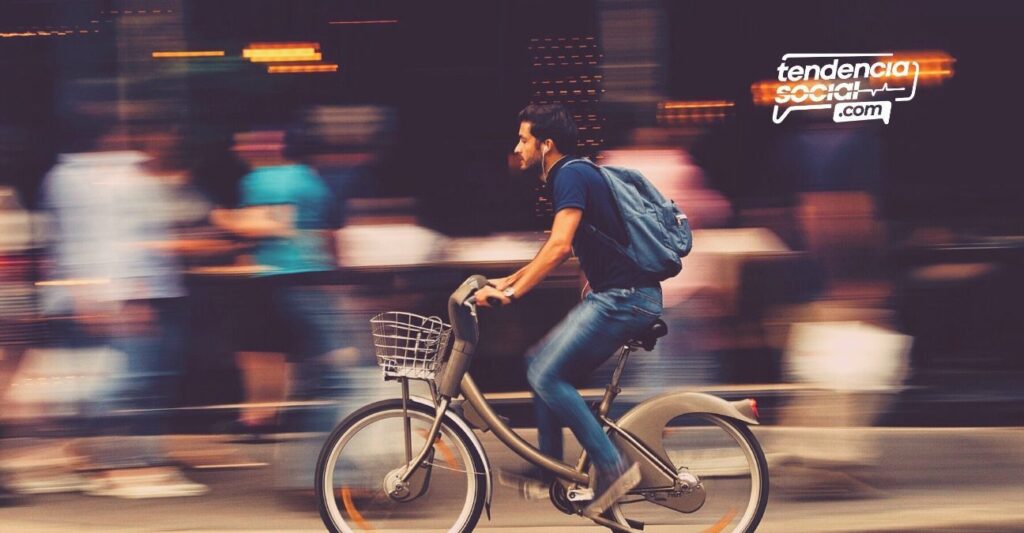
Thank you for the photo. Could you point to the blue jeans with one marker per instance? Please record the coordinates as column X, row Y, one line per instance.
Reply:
column 150, row 380
column 585, row 338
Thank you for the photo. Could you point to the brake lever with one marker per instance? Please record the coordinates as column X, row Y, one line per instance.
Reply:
column 493, row 301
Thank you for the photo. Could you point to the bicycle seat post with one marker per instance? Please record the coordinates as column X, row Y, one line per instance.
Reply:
column 613, row 389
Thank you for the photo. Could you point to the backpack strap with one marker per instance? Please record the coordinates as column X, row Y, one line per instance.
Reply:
column 590, row 228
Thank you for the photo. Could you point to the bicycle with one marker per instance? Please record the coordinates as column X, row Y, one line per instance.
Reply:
column 688, row 445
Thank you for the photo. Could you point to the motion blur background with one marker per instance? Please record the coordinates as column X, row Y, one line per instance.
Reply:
column 857, row 279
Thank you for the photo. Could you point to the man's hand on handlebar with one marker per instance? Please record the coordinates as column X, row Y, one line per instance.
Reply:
column 490, row 297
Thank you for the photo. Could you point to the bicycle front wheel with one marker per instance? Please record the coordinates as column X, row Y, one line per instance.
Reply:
column 369, row 447
column 733, row 474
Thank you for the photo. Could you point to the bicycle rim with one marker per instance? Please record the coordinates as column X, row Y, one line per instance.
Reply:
column 731, row 466
column 365, row 448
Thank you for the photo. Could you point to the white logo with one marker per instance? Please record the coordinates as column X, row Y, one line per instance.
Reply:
column 856, row 87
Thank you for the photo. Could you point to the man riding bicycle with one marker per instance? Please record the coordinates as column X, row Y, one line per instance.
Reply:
column 621, row 304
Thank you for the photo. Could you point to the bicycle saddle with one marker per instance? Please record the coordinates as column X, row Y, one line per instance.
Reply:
column 650, row 336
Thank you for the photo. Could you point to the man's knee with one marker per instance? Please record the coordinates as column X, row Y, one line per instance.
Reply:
column 538, row 375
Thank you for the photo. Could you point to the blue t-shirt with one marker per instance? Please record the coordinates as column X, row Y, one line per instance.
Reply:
column 582, row 186
column 298, row 186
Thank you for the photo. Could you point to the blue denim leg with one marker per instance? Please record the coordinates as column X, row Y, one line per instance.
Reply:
column 584, row 339
column 149, row 383
column 549, row 429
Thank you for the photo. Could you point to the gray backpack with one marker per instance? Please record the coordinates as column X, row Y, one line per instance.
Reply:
column 658, row 231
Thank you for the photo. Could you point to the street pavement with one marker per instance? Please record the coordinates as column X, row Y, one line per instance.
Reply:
column 889, row 479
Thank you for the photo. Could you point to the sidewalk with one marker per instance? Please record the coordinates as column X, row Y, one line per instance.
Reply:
column 946, row 480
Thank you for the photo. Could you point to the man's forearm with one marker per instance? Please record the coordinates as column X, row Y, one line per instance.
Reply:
column 262, row 229
column 251, row 225
column 513, row 278
column 550, row 256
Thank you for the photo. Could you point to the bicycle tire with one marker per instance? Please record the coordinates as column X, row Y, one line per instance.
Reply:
column 477, row 488
column 746, row 440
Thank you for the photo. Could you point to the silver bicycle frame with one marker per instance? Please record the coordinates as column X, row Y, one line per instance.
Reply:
column 490, row 420
column 634, row 430
column 527, row 451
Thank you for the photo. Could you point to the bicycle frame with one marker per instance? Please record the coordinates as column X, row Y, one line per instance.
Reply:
column 483, row 417
column 527, row 451
column 637, row 432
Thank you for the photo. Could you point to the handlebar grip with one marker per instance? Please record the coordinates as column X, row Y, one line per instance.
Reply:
column 477, row 281
column 471, row 285
column 494, row 301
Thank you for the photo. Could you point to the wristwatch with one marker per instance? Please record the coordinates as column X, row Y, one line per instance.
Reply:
column 509, row 292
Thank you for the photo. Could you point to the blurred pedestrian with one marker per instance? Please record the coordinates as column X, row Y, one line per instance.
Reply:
column 116, row 286
column 19, row 324
column 286, row 213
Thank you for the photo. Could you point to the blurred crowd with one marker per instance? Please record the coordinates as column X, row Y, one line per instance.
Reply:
column 127, row 272
column 95, row 306
column 97, row 327
column 141, row 291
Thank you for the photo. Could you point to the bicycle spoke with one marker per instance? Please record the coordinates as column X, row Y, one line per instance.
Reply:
column 730, row 470
column 362, row 473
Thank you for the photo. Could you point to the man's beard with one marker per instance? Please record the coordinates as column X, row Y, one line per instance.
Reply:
column 532, row 172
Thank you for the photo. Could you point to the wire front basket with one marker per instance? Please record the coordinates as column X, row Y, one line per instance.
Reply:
column 409, row 345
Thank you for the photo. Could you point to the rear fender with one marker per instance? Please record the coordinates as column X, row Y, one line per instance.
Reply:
column 647, row 420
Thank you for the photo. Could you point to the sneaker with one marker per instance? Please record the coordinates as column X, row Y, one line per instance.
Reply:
column 530, row 485
column 62, row 456
column 7, row 497
column 146, row 483
column 612, row 487
column 49, row 481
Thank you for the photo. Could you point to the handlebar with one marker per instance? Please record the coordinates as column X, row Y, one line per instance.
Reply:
column 470, row 302
column 465, row 331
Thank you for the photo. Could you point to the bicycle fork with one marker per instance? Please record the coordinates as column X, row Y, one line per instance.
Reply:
column 435, row 429
column 410, row 480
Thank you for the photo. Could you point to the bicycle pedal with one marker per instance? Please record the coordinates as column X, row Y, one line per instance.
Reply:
column 615, row 526
column 580, row 495
column 635, row 524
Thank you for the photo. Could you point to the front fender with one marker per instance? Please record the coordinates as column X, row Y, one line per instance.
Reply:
column 454, row 418
column 647, row 420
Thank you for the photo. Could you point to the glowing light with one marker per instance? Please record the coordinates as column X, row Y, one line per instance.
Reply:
column 387, row 21
column 72, row 282
column 301, row 69
column 936, row 65
column 282, row 52
column 697, row 104
column 695, row 111
column 283, row 46
column 764, row 92
column 195, row 53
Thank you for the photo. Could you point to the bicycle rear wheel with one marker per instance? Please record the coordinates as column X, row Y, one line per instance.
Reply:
column 730, row 464
column 369, row 445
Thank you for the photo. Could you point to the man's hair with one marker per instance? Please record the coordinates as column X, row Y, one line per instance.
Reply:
column 551, row 121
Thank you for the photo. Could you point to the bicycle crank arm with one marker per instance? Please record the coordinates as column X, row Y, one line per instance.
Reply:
column 580, row 495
